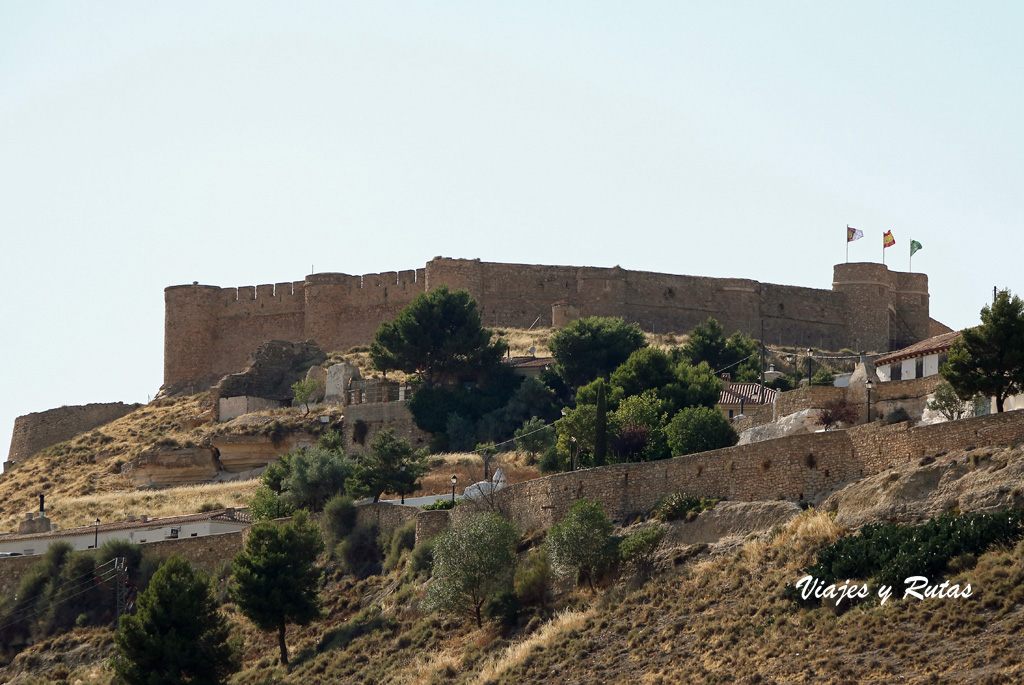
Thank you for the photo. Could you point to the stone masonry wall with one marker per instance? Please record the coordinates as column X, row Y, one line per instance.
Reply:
column 799, row 468
column 37, row 431
column 209, row 331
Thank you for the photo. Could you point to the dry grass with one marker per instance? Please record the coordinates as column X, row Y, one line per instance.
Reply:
column 517, row 653
column 116, row 506
column 469, row 469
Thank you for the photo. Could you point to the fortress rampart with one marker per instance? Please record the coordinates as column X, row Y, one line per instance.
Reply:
column 39, row 430
column 210, row 331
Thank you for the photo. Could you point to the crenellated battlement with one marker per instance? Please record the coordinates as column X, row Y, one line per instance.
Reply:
column 210, row 331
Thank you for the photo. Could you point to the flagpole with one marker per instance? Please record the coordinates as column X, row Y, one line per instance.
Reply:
column 910, row 259
column 883, row 249
column 847, row 243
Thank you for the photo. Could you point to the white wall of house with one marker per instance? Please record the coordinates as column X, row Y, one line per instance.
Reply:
column 908, row 370
column 147, row 533
column 931, row 365
column 884, row 373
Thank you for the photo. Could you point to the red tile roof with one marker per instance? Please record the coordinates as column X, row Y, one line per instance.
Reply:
column 939, row 343
column 746, row 393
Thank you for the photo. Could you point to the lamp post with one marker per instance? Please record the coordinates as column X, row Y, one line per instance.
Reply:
column 868, row 384
column 455, row 480
column 808, row 367
column 402, row 469
column 574, row 451
column 96, row 537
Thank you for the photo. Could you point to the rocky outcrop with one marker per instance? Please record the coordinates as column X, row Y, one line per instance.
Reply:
column 730, row 520
column 803, row 421
column 164, row 467
column 272, row 370
column 239, row 453
column 337, row 382
column 980, row 480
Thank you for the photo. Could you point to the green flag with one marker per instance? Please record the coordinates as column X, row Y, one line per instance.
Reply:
column 914, row 247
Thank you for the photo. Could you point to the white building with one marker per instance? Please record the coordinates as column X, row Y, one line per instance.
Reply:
column 920, row 360
column 136, row 531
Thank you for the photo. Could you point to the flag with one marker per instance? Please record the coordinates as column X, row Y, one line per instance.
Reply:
column 914, row 247
column 853, row 234
column 888, row 240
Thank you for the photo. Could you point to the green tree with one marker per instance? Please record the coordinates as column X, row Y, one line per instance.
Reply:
column 945, row 401
column 576, row 432
column 534, row 437
column 276, row 576
column 581, row 543
column 303, row 392
column 390, row 465
column 736, row 355
column 641, row 415
column 177, row 635
column 823, row 376
column 474, row 560
column 593, row 347
column 989, row 359
column 315, row 474
column 439, row 332
column 699, row 429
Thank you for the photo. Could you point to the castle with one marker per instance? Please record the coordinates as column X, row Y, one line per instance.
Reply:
column 210, row 331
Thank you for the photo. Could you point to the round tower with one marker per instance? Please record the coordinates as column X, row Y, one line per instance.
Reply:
column 867, row 290
column 190, row 324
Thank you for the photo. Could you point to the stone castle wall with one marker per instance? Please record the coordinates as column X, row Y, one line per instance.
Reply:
column 798, row 467
column 37, row 431
column 210, row 331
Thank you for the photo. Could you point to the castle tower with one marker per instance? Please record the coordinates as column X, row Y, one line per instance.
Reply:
column 884, row 309
column 190, row 325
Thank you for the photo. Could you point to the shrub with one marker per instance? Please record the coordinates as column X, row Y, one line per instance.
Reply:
column 550, row 461
column 533, row 579
column 897, row 415
column 638, row 548
column 339, row 518
column 890, row 552
column 836, row 412
column 441, row 504
column 579, row 544
column 396, row 543
column 422, row 557
column 699, row 429
column 677, row 505
column 358, row 553
column 503, row 608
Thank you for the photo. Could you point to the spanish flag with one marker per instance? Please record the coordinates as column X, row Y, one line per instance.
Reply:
column 888, row 240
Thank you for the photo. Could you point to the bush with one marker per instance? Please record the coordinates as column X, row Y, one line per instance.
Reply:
column 579, row 544
column 699, row 429
column 533, row 579
column 395, row 543
column 315, row 475
column 503, row 608
column 339, row 518
column 550, row 461
column 836, row 412
column 422, row 558
column 678, row 505
column 638, row 548
column 441, row 504
column 897, row 415
column 358, row 553
column 890, row 552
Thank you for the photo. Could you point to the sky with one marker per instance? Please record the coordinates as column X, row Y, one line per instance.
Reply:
column 144, row 145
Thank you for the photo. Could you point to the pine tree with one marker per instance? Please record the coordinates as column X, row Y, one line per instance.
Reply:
column 276, row 576
column 177, row 635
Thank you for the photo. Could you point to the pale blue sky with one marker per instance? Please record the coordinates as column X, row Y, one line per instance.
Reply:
column 237, row 143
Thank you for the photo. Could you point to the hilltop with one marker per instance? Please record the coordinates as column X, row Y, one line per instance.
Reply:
column 711, row 613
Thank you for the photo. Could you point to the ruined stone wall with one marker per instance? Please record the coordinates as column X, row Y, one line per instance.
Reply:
column 36, row 431
column 799, row 467
column 210, row 331
column 377, row 417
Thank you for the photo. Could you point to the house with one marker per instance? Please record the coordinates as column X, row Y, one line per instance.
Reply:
column 136, row 531
column 530, row 366
column 736, row 397
column 919, row 360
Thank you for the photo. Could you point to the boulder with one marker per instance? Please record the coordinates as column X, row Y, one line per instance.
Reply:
column 273, row 368
column 803, row 421
column 165, row 467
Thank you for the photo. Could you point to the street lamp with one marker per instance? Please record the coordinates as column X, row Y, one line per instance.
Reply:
column 572, row 457
column 455, row 479
column 868, row 384
column 402, row 469
column 96, row 537
column 808, row 367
